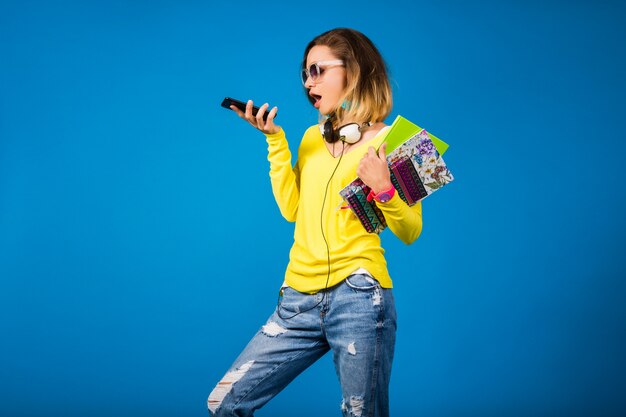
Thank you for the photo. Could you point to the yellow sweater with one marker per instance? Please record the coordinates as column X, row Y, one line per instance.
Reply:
column 299, row 192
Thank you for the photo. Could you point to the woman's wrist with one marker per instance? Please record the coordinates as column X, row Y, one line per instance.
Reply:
column 382, row 196
column 277, row 131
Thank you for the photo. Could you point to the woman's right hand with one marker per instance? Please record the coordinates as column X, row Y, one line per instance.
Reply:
column 267, row 127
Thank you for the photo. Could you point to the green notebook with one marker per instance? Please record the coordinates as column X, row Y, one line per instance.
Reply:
column 402, row 130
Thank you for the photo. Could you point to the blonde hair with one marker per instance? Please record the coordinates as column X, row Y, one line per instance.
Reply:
column 367, row 95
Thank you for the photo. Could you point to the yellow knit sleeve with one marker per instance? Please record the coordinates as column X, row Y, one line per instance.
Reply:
column 403, row 220
column 285, row 179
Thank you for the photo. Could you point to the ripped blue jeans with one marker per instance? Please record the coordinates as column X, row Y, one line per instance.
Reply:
column 356, row 319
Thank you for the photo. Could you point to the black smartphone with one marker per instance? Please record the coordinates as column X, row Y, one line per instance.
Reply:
column 242, row 106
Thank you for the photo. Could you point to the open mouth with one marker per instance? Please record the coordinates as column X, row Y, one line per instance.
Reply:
column 316, row 99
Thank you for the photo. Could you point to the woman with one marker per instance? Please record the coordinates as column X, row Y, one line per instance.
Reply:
column 337, row 292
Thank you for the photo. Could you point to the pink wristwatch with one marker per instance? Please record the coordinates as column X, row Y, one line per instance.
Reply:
column 383, row 196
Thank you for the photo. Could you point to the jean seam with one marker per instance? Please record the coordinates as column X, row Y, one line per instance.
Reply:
column 379, row 330
column 272, row 371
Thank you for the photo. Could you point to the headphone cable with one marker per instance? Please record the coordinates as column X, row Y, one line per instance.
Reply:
column 278, row 304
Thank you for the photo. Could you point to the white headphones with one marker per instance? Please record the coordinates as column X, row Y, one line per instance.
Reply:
column 349, row 133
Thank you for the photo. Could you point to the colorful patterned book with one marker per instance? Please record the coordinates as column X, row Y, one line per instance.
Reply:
column 370, row 216
column 416, row 167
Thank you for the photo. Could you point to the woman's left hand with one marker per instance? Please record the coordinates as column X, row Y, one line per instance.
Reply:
column 373, row 169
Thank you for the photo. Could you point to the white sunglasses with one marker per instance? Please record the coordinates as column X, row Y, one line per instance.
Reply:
column 316, row 69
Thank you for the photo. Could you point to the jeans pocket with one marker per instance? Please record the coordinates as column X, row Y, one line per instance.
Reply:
column 361, row 282
column 290, row 300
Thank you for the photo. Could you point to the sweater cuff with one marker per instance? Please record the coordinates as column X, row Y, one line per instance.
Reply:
column 395, row 203
column 273, row 136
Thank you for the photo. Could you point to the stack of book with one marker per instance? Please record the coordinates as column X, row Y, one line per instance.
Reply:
column 416, row 169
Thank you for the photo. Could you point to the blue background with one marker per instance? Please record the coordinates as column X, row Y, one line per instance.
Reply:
column 141, row 248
